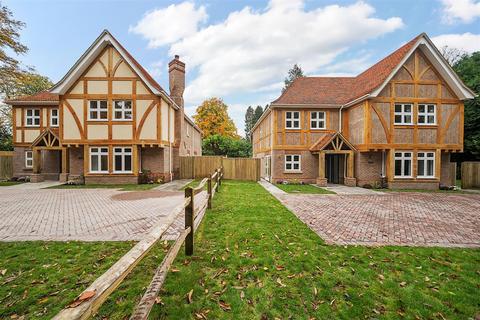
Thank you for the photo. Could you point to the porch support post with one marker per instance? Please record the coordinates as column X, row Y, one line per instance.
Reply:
column 321, row 180
column 350, row 178
column 350, row 165
column 37, row 159
column 65, row 165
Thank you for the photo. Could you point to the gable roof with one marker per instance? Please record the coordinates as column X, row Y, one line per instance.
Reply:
column 326, row 138
column 345, row 90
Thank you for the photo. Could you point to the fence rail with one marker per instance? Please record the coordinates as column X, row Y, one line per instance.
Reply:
column 6, row 164
column 470, row 174
column 195, row 167
column 90, row 300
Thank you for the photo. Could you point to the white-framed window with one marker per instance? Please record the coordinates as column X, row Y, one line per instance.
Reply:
column 54, row 117
column 122, row 110
column 427, row 114
column 97, row 110
column 403, row 113
column 99, row 159
column 29, row 159
column 317, row 120
column 32, row 117
column 292, row 162
column 426, row 164
column 403, row 164
column 122, row 159
column 292, row 119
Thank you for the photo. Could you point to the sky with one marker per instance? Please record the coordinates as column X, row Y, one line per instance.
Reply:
column 241, row 51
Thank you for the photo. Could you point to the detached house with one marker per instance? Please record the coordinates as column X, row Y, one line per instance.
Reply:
column 397, row 122
column 107, row 119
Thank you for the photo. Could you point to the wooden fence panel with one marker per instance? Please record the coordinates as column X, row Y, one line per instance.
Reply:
column 6, row 164
column 234, row 168
column 470, row 175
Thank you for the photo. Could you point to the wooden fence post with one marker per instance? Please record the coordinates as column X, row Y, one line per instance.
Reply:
column 209, row 189
column 189, row 221
column 218, row 180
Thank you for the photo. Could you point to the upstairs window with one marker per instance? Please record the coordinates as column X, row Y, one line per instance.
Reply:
column 97, row 110
column 426, row 164
column 427, row 114
column 317, row 120
column 292, row 162
column 32, row 117
column 29, row 159
column 292, row 120
column 403, row 113
column 122, row 159
column 54, row 117
column 123, row 110
column 99, row 160
column 403, row 164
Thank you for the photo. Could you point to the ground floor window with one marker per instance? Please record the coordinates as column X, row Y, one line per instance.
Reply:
column 122, row 159
column 403, row 164
column 29, row 159
column 99, row 160
column 292, row 162
column 426, row 164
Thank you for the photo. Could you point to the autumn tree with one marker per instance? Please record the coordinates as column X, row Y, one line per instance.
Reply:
column 294, row 73
column 212, row 118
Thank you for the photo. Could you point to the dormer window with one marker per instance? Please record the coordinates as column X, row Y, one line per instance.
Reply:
column 292, row 120
column 97, row 110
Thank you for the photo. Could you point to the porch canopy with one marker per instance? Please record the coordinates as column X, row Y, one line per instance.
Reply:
column 334, row 143
column 48, row 140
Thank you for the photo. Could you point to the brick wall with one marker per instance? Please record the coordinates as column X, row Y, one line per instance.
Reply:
column 113, row 179
column 368, row 168
column 19, row 169
column 429, row 185
column 309, row 166
column 446, row 177
column 76, row 160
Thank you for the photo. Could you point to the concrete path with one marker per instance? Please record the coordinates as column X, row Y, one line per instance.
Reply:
column 341, row 189
column 175, row 185
column 272, row 188
column 32, row 186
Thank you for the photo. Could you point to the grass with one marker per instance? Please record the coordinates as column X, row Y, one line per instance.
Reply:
column 121, row 187
column 255, row 259
column 43, row 277
column 9, row 183
column 303, row 188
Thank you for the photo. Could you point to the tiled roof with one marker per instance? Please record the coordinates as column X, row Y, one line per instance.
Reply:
column 340, row 90
column 322, row 142
column 43, row 96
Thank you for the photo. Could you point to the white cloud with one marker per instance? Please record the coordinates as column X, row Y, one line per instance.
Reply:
column 156, row 69
column 251, row 51
column 165, row 26
column 468, row 42
column 465, row 11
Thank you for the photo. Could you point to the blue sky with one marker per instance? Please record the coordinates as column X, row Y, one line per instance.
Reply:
column 241, row 50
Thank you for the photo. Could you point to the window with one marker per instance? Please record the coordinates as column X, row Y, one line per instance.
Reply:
column 54, row 117
column 317, row 120
column 427, row 114
column 123, row 110
column 403, row 113
column 292, row 162
column 99, row 160
column 122, row 159
column 28, row 159
column 403, row 164
column 32, row 117
column 426, row 164
column 97, row 110
column 292, row 120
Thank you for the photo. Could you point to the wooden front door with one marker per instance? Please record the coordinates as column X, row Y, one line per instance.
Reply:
column 335, row 168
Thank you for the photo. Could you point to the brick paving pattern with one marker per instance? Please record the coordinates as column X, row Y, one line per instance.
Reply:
column 86, row 215
column 407, row 219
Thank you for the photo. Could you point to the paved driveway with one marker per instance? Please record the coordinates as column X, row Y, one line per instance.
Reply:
column 416, row 219
column 85, row 214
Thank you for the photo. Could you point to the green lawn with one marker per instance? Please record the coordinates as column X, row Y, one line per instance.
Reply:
column 9, row 183
column 121, row 187
column 303, row 188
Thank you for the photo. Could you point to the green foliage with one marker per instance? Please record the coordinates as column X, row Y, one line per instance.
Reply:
column 217, row 145
column 468, row 68
column 251, row 117
column 212, row 118
column 294, row 73
column 303, row 188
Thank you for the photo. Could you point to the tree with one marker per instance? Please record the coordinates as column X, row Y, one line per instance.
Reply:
column 212, row 118
column 468, row 68
column 217, row 145
column 294, row 73
column 249, row 114
column 452, row 55
column 257, row 115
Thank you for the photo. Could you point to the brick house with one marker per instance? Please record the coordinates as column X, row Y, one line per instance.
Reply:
column 397, row 122
column 107, row 120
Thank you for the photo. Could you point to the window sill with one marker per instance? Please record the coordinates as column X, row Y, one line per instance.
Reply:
column 293, row 171
column 403, row 178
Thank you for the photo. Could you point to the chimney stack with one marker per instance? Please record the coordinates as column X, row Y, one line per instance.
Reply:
column 176, row 75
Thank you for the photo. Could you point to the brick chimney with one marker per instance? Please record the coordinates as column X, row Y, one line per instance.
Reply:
column 176, row 75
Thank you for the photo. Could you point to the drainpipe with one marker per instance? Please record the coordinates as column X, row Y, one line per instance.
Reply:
column 340, row 118
column 170, row 161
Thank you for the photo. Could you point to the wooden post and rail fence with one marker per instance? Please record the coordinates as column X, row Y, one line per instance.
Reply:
column 6, row 164
column 91, row 299
column 196, row 167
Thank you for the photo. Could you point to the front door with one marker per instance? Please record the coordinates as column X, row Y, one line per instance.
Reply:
column 335, row 168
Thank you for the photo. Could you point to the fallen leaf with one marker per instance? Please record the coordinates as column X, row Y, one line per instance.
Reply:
column 280, row 268
column 242, row 295
column 158, row 300
column 174, row 270
column 189, row 296
column 86, row 295
column 315, row 292
column 280, row 282
column 403, row 284
column 225, row 306
column 3, row 272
